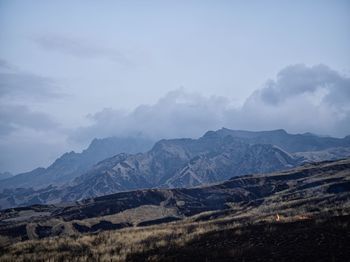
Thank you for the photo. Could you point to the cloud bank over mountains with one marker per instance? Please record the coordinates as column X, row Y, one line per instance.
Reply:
column 28, row 137
column 18, row 90
column 300, row 99
column 314, row 99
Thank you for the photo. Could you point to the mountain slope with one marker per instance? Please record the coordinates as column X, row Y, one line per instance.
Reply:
column 239, row 159
column 326, row 154
column 169, row 160
column 71, row 165
column 215, row 157
column 5, row 175
column 289, row 142
column 303, row 192
column 170, row 163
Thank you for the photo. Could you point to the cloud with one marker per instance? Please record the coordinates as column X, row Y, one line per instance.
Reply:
column 299, row 79
column 301, row 99
column 27, row 85
column 314, row 99
column 79, row 48
column 15, row 83
column 15, row 117
column 27, row 137
column 26, row 149
column 177, row 114
column 6, row 65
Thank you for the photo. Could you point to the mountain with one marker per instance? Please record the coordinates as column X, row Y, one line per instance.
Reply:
column 170, row 163
column 214, row 157
column 71, row 165
column 322, row 155
column 5, row 175
column 289, row 142
column 312, row 190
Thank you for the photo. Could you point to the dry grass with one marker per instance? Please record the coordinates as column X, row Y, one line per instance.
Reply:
column 117, row 245
column 136, row 215
column 110, row 245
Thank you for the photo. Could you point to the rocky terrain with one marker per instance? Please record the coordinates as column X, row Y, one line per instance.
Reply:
column 5, row 175
column 322, row 155
column 289, row 142
column 71, row 165
column 309, row 189
column 170, row 163
column 215, row 157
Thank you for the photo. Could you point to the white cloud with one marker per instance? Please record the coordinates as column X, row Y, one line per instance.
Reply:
column 301, row 99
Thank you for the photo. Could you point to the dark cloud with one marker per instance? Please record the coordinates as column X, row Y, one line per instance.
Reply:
column 14, row 117
column 27, row 149
column 78, row 48
column 301, row 99
column 28, row 139
column 18, row 90
column 27, row 86
column 6, row 128
column 15, row 83
column 6, row 65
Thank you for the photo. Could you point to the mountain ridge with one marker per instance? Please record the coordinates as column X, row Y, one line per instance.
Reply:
column 184, row 162
column 289, row 142
column 71, row 164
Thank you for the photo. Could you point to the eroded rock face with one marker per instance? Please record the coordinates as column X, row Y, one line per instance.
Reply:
column 215, row 157
column 170, row 163
column 70, row 165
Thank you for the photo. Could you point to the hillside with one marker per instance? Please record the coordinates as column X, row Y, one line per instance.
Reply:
column 173, row 163
column 170, row 163
column 71, row 165
column 306, row 191
column 289, row 142
column 5, row 175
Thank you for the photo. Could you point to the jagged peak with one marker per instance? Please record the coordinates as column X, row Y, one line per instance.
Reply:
column 209, row 134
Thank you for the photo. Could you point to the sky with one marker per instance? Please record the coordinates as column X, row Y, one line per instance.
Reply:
column 71, row 71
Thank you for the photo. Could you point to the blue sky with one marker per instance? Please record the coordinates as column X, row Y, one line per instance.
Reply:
column 69, row 64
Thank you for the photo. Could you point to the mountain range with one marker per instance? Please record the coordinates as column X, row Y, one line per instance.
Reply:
column 214, row 157
column 291, row 143
column 5, row 175
column 71, row 164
